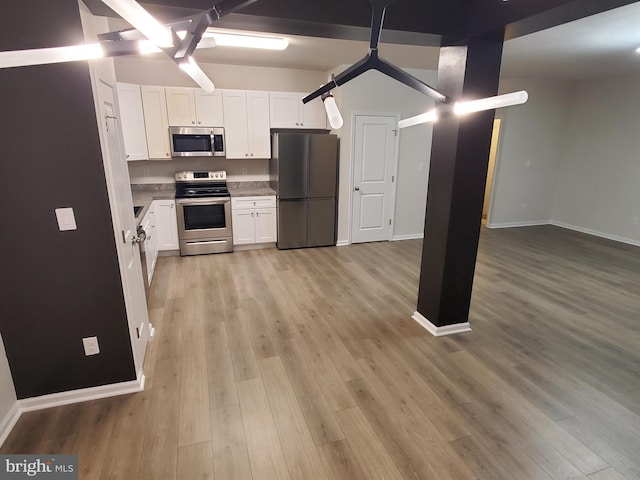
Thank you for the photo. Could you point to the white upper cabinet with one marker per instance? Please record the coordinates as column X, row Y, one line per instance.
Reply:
column 209, row 108
column 132, row 120
column 287, row 111
column 188, row 107
column 246, row 116
column 156, row 122
column 313, row 113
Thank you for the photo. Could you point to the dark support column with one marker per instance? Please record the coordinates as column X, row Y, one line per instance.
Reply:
column 457, row 177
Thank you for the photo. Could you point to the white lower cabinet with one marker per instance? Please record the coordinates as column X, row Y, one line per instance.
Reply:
column 254, row 220
column 166, row 224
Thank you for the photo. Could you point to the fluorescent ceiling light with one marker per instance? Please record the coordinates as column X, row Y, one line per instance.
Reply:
column 142, row 20
column 39, row 56
column 507, row 100
column 192, row 69
column 430, row 116
column 246, row 40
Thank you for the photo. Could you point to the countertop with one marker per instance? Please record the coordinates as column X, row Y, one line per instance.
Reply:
column 144, row 194
column 249, row 189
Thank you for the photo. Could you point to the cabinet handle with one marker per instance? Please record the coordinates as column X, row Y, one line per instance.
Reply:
column 257, row 214
column 252, row 214
column 199, row 122
column 246, row 154
column 192, row 122
column 302, row 124
column 252, row 154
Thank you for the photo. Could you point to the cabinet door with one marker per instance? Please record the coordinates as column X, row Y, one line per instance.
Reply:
column 181, row 106
column 265, row 221
column 284, row 109
column 209, row 108
column 156, row 122
column 234, row 105
column 258, row 125
column 313, row 114
column 243, row 227
column 166, row 224
column 132, row 121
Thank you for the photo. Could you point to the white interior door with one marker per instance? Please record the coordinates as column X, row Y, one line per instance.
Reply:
column 374, row 164
column 124, row 222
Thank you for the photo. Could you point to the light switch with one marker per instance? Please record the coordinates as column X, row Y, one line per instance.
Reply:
column 66, row 219
column 91, row 346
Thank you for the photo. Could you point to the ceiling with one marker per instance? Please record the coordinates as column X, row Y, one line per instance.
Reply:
column 594, row 46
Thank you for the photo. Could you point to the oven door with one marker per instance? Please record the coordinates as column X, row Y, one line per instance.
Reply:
column 204, row 218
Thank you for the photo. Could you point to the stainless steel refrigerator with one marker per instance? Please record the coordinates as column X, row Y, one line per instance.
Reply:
column 303, row 171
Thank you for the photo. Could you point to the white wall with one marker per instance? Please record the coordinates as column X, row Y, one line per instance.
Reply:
column 375, row 93
column 530, row 145
column 599, row 171
column 165, row 72
column 7, row 390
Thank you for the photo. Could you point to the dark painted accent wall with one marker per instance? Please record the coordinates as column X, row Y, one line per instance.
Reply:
column 57, row 287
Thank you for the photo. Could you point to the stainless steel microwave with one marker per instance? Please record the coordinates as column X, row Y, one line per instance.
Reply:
column 197, row 141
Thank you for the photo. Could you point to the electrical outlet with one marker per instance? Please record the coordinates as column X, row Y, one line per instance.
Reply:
column 91, row 346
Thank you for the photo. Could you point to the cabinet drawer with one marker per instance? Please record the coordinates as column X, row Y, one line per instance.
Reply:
column 268, row 201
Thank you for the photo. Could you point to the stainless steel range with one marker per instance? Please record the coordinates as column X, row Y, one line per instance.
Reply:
column 204, row 212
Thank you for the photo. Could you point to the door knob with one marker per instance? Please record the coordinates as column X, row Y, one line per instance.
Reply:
column 357, row 189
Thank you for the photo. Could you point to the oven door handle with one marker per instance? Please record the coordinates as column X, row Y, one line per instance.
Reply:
column 202, row 201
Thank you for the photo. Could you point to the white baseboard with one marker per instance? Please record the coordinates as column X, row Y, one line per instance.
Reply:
column 343, row 243
column 595, row 233
column 9, row 421
column 440, row 331
column 518, row 224
column 66, row 398
column 413, row 236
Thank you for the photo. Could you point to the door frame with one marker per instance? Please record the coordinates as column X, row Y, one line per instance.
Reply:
column 397, row 116
column 496, row 169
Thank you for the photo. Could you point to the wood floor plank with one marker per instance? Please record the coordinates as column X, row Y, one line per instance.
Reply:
column 303, row 459
column 196, row 461
column 480, row 460
column 194, row 422
column 243, row 357
column 263, row 443
column 159, row 450
column 340, row 462
column 222, row 381
column 607, row 474
column 372, row 457
column 230, row 455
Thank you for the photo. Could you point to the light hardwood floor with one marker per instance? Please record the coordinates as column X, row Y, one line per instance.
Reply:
column 305, row 364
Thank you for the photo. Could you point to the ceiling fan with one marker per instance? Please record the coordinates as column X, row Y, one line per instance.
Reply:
column 372, row 61
column 179, row 39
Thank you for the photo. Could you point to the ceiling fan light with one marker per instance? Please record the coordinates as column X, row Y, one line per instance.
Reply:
column 489, row 103
column 333, row 113
column 142, row 20
column 247, row 41
column 430, row 116
column 39, row 56
column 191, row 68
column 147, row 46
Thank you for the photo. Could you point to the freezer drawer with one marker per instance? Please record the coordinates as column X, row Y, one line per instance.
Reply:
column 321, row 222
column 292, row 224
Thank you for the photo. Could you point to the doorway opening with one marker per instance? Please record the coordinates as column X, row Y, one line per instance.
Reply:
column 493, row 153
